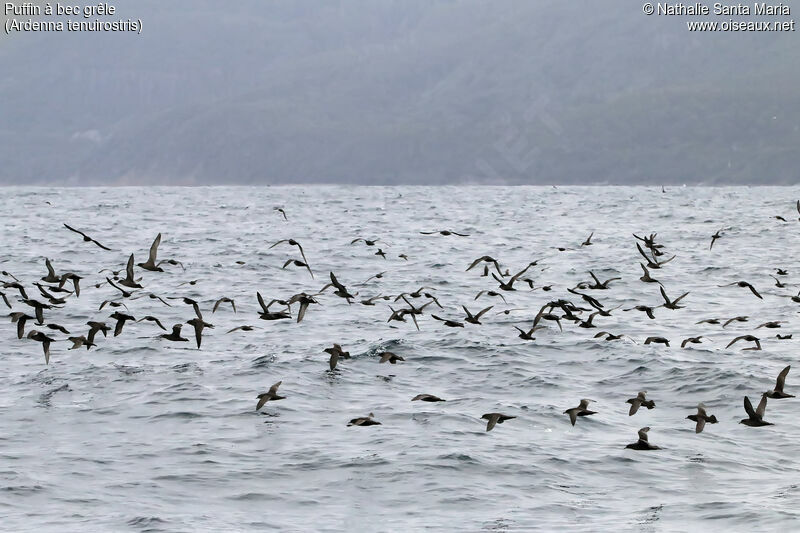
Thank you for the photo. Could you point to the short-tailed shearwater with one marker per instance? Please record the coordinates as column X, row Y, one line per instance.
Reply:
column 494, row 419
column 581, row 410
column 271, row 394
column 755, row 418
column 642, row 443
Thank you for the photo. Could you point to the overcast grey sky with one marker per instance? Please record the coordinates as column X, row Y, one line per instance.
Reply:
column 399, row 91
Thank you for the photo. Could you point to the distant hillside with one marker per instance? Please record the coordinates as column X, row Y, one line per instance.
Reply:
column 399, row 91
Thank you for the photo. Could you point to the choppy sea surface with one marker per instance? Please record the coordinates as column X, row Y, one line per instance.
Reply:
column 143, row 434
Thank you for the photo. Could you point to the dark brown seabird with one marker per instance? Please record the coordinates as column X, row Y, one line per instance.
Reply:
column 364, row 421
column 744, row 285
column 475, row 319
column 701, row 418
column 336, row 352
column 640, row 400
column 748, row 338
column 129, row 280
column 389, row 357
column 494, row 419
column 642, row 443
column 86, row 238
column 755, row 418
column 427, row 398
column 51, row 273
column 20, row 319
column 777, row 392
column 581, row 410
column 657, row 340
column 693, row 340
column 222, row 300
column 150, row 264
column 121, row 318
column 271, row 394
column 38, row 336
column 175, row 335
column 292, row 242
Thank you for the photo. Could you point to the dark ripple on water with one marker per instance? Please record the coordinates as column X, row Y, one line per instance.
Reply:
column 170, row 432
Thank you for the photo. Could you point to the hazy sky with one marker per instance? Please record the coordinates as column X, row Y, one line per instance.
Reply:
column 405, row 91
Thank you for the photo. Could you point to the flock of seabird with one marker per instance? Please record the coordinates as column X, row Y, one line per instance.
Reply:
column 55, row 291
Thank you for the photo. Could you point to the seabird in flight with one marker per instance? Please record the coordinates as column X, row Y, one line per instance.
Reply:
column 748, row 338
column 642, row 443
column 581, row 410
column 640, row 400
column 175, row 335
column 129, row 281
column 444, row 232
column 427, row 398
column 364, row 421
column 389, row 357
column 271, row 394
column 777, row 392
column 657, row 340
column 693, row 340
column 223, row 300
column 150, row 264
column 743, row 284
column 38, row 336
column 292, row 242
column 475, row 319
column 701, row 418
column 494, row 419
column 755, row 418
column 86, row 238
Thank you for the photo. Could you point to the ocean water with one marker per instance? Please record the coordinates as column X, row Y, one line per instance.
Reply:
column 142, row 434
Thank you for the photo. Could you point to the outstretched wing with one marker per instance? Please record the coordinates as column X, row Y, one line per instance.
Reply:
column 762, row 406
column 262, row 399
column 573, row 415
column 198, row 332
column 701, row 423
column 782, row 379
column 664, row 295
column 754, row 291
column 642, row 253
column 82, row 234
column 129, row 268
column 302, row 253
column 748, row 408
column 679, row 298
column 261, row 302
column 734, row 341
column 154, row 248
column 302, row 312
column 518, row 274
column 274, row 388
column 478, row 260
column 483, row 311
